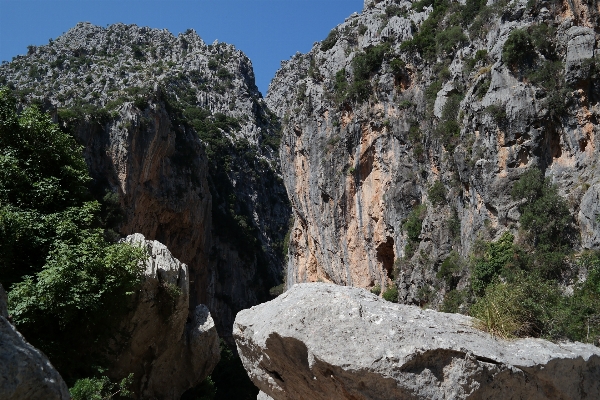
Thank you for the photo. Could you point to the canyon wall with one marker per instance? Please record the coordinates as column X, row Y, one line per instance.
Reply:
column 375, row 132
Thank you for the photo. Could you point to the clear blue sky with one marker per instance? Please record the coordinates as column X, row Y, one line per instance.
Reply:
column 268, row 31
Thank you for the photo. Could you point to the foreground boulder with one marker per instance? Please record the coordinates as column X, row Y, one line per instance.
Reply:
column 321, row 341
column 167, row 352
column 25, row 372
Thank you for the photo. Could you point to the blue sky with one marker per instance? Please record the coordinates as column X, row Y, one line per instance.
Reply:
column 268, row 31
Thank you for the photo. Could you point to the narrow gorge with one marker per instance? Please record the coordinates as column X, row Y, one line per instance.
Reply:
column 439, row 154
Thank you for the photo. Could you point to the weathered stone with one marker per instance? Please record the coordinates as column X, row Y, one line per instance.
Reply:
column 166, row 353
column 322, row 341
column 25, row 372
column 589, row 218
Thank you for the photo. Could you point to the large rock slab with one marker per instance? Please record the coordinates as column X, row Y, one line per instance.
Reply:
column 322, row 341
column 167, row 351
column 25, row 372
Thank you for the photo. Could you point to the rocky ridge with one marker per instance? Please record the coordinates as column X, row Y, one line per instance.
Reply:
column 177, row 135
column 382, row 123
column 322, row 341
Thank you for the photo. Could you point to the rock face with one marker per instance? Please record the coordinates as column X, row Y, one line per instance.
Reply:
column 177, row 133
column 355, row 168
column 25, row 372
column 321, row 341
column 166, row 352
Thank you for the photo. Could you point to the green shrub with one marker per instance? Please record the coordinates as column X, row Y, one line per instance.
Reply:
column 448, row 128
column 213, row 63
column 496, row 256
column 363, row 65
column 391, row 294
column 223, row 73
column 448, row 40
column 376, row 290
column 544, row 214
column 483, row 87
column 424, row 41
column 498, row 113
column 437, row 193
column 341, row 85
column 141, row 103
column 453, row 223
column 277, row 290
column 471, row 9
column 480, row 55
column 101, row 388
column 450, row 267
column 398, row 67
column 431, row 93
column 453, row 300
column 518, row 50
column 330, row 40
column 414, row 222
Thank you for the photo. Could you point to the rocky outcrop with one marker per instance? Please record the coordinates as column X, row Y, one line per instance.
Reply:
column 321, row 341
column 359, row 153
column 176, row 131
column 166, row 351
column 25, row 372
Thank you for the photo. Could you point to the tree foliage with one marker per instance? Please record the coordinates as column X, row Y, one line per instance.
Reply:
column 67, row 284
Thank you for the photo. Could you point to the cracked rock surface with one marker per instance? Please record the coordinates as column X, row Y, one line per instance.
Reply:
column 322, row 341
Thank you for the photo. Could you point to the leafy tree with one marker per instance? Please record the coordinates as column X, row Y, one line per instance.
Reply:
column 68, row 285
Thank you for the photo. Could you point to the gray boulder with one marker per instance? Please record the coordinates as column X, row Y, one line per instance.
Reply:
column 167, row 353
column 322, row 341
column 25, row 372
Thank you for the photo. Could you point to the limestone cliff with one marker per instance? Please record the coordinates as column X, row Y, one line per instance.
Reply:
column 177, row 135
column 394, row 114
